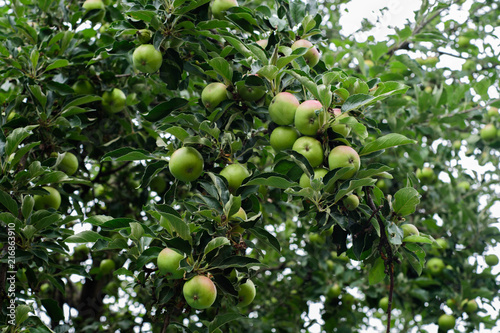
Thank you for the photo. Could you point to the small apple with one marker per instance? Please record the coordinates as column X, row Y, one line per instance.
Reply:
column 312, row 55
column 409, row 230
column 463, row 41
column 443, row 243
column 219, row 7
column 488, row 132
column 451, row 303
column 234, row 174
column 311, row 149
column 464, row 186
column 114, row 101
column 431, row 61
column 107, row 266
column 214, row 94
column 158, row 184
column 334, row 291
column 69, row 163
column 305, row 181
column 469, row 65
column 144, row 35
column 283, row 137
column 89, row 5
column 250, row 93
column 493, row 112
column 435, row 266
column 383, row 303
column 369, row 63
column 344, row 156
column 306, row 119
column 46, row 201
column 337, row 127
column 351, row 202
column 382, row 185
column 426, row 174
column 282, row 108
column 81, row 252
column 469, row 306
column 200, row 292
column 147, row 58
column 457, row 144
column 446, row 322
column 186, row 164
column 246, row 294
column 83, row 87
column 491, row 260
column 168, row 263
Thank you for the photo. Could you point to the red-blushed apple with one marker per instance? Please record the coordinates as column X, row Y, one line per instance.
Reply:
column 246, row 294
column 337, row 127
column 83, row 87
column 200, row 292
column 488, row 132
column 147, row 58
column 50, row 200
column 219, row 7
column 234, row 174
column 186, row 164
column 107, row 266
column 446, row 322
column 311, row 149
column 312, row 55
column 409, row 230
column 305, row 181
column 114, row 101
column 306, row 120
column 282, row 108
column 435, row 266
column 68, row 164
column 214, row 94
column 283, row 137
column 168, row 262
column 351, row 202
column 344, row 156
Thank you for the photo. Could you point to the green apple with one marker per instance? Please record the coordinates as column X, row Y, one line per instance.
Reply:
column 426, row 174
column 305, row 181
column 46, row 201
column 262, row 43
column 158, row 184
column 334, row 291
column 493, row 112
column 351, row 202
column 283, row 137
column 68, row 164
column 168, row 262
column 463, row 186
column 469, row 306
column 282, row 108
column 83, row 87
column 234, row 174
column 114, row 101
column 337, row 127
column 251, row 93
column 463, row 41
column 147, row 58
column 89, row 5
column 246, row 294
column 382, row 185
column 312, row 55
column 214, row 94
column 200, row 292
column 344, row 156
column 306, row 120
column 107, row 266
column 186, row 164
column 457, row 144
column 488, row 132
column 442, row 242
column 383, row 303
column 144, row 35
column 435, row 266
column 409, row 230
column 311, row 149
column 219, row 7
column 491, row 260
column 446, row 322
column 369, row 63
column 451, row 303
column 81, row 252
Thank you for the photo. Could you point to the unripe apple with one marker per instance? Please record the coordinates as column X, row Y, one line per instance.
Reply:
column 337, row 127
column 425, row 175
column 147, row 58
column 69, row 163
column 493, row 112
column 283, row 137
column 491, row 260
column 383, row 303
column 186, row 164
column 250, row 93
column 81, row 252
column 442, row 242
column 234, row 174
column 200, row 292
column 469, row 306
column 312, row 55
column 344, row 156
column 89, row 5
column 311, row 149
column 334, row 291
column 158, row 184
column 463, row 41
column 168, row 262
column 351, row 202
column 369, row 63
column 488, row 132
column 306, row 120
column 46, row 201
column 219, row 7
column 144, row 35
column 446, row 322
column 282, row 108
column 83, row 87
column 305, row 181
column 464, row 186
column 107, row 266
column 114, row 101
column 246, row 294
column 457, row 144
column 435, row 266
column 214, row 94
column 409, row 230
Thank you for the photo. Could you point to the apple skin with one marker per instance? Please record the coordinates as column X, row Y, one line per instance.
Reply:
column 147, row 59
column 51, row 200
column 114, row 101
column 168, row 263
column 435, row 266
column 214, row 94
column 312, row 55
column 464, row 186
column 83, row 87
column 446, row 322
column 144, row 35
column 409, row 230
column 246, row 294
column 89, row 5
column 107, row 266
column 69, row 163
column 344, row 156
column 457, row 144
column 306, row 121
column 425, row 175
column 234, row 174
column 334, row 291
column 81, row 252
column 305, row 181
column 158, row 184
column 219, row 7
column 469, row 306
column 337, row 127
column 384, row 303
column 200, row 292
column 282, row 108
column 311, row 149
column 491, row 260
column 186, row 164
column 351, row 202
column 250, row 94
column 463, row 41
column 493, row 112
column 488, row 132
column 283, row 137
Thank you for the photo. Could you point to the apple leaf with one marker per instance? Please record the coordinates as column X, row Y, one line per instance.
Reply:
column 164, row 109
column 283, row 61
column 378, row 50
column 16, row 137
column 417, row 239
column 149, row 255
column 45, row 221
column 270, row 179
column 416, row 256
column 372, row 170
column 264, row 236
column 178, row 224
column 22, row 313
column 354, row 184
column 384, row 142
column 356, row 101
column 127, row 154
column 406, row 201
column 57, row 64
column 87, row 236
column 239, row 261
column 79, row 101
column 27, row 206
column 377, row 272
column 8, row 202
column 222, row 320
column 222, row 67
column 269, row 72
column 303, row 78
column 215, row 243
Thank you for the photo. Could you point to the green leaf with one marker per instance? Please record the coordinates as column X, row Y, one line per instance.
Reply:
column 378, row 50
column 16, row 137
column 22, row 313
column 354, row 184
column 57, row 64
column 239, row 46
column 356, row 101
column 9, row 203
column 264, row 236
column 417, row 239
column 283, row 61
column 149, row 255
column 270, row 179
column 164, row 109
column 178, row 224
column 127, row 154
column 222, row 67
column 27, row 206
column 179, row 132
column 39, row 95
column 142, row 15
column 377, row 272
column 406, row 201
column 53, row 309
column 81, row 100
column 387, row 141
column 215, row 243
column 222, row 320
column 87, row 236
column 46, row 221
column 52, row 177
column 269, row 72
column 372, row 170
column 416, row 256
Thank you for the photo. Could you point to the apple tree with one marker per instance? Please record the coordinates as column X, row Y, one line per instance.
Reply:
column 228, row 166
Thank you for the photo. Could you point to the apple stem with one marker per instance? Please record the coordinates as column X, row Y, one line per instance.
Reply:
column 166, row 323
